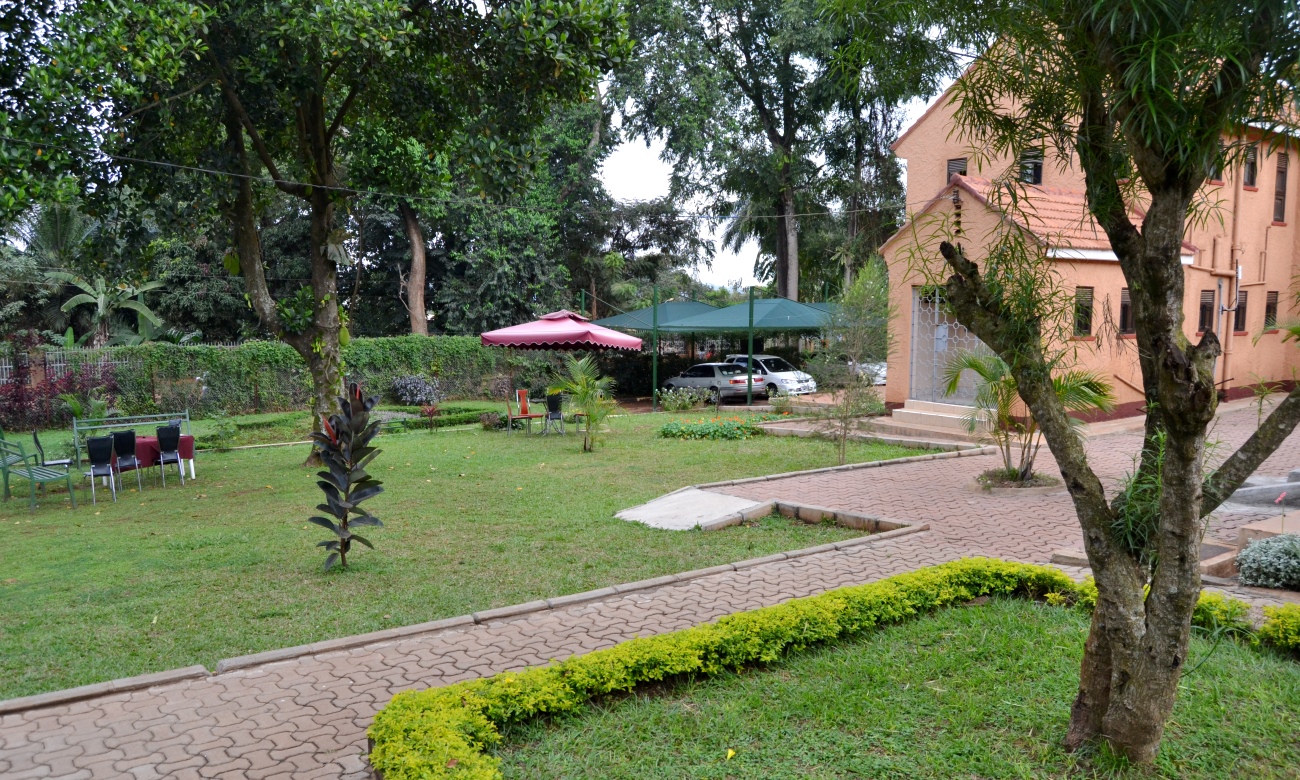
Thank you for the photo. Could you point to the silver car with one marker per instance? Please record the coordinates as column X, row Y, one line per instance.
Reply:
column 720, row 380
column 776, row 374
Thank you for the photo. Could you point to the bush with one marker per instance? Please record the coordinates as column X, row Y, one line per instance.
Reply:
column 1281, row 627
column 680, row 399
column 1272, row 562
column 732, row 428
column 443, row 732
column 416, row 390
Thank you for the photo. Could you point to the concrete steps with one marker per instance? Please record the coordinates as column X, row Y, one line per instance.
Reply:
column 926, row 420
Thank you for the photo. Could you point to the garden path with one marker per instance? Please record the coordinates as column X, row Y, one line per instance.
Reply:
column 306, row 717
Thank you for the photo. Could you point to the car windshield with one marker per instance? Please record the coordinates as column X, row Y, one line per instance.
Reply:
column 731, row 369
column 777, row 365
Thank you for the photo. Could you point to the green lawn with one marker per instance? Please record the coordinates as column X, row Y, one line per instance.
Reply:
column 227, row 565
column 979, row 692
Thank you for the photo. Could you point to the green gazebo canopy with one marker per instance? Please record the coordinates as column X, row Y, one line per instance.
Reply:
column 770, row 314
column 669, row 312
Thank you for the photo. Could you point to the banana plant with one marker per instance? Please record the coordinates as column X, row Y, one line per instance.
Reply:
column 107, row 301
column 344, row 447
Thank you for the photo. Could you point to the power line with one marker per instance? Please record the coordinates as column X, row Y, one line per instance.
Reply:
column 479, row 203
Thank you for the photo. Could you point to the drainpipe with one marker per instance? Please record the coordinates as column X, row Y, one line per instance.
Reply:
column 1235, row 267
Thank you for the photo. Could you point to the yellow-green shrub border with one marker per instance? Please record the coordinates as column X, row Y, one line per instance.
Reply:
column 443, row 732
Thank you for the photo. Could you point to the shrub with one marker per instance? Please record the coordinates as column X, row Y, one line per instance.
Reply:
column 442, row 732
column 1281, row 627
column 680, row 399
column 731, row 428
column 416, row 390
column 344, row 447
column 1272, row 562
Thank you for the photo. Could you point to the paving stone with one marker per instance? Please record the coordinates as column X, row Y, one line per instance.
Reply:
column 305, row 715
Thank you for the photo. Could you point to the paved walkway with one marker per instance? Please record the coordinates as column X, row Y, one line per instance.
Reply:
column 306, row 717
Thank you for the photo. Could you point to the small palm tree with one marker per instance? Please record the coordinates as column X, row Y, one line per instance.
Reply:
column 995, row 400
column 590, row 393
column 108, row 301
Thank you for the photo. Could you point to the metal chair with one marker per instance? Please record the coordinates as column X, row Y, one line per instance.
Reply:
column 124, row 446
column 554, row 414
column 99, row 449
column 26, row 466
column 169, row 446
column 66, row 463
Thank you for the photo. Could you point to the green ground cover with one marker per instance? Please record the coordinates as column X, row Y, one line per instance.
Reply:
column 474, row 520
column 978, row 692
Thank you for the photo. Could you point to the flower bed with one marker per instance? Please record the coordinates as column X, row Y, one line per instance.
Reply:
column 717, row 428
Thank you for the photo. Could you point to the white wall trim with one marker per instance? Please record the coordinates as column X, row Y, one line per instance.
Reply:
column 1066, row 253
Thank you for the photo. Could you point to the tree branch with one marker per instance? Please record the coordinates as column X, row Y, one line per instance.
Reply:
column 1229, row 476
column 236, row 105
column 163, row 101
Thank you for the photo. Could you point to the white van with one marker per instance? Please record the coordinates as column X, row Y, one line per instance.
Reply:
column 778, row 374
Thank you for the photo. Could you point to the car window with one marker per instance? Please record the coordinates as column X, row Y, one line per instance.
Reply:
column 698, row 371
column 775, row 365
column 732, row 369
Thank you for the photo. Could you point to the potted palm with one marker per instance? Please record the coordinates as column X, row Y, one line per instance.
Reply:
column 590, row 393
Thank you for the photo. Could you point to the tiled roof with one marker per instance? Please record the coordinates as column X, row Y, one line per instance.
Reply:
column 1056, row 216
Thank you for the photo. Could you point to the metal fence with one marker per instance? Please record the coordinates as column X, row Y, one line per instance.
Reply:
column 60, row 362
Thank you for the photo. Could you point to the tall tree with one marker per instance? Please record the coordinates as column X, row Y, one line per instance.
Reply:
column 1142, row 95
column 743, row 93
column 271, row 87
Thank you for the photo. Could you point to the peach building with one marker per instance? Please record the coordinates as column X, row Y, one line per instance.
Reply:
column 1239, row 263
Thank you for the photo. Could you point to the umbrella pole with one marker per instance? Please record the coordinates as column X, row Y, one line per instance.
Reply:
column 654, row 360
column 749, row 363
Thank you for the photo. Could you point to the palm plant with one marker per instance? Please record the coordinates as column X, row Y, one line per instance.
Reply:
column 995, row 402
column 89, row 408
column 590, row 392
column 108, row 301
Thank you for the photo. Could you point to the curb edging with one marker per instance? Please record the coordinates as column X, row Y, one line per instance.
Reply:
column 93, row 690
column 874, row 464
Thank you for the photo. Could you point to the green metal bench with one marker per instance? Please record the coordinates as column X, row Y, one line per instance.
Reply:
column 17, row 462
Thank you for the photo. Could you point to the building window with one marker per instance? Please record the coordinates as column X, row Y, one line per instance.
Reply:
column 1270, row 310
column 1125, row 312
column 1216, row 166
column 957, row 166
column 1083, row 311
column 1279, row 189
column 1239, row 316
column 1031, row 166
column 1251, row 173
column 1206, row 322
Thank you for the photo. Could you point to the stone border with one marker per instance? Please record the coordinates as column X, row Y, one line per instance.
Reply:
column 810, row 514
column 962, row 453
column 1002, row 492
column 226, row 665
column 101, row 689
column 902, row 441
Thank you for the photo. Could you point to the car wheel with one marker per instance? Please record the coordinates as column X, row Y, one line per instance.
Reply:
column 715, row 396
column 669, row 387
column 772, row 390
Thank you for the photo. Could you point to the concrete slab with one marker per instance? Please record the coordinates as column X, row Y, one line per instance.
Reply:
column 1263, row 529
column 686, row 509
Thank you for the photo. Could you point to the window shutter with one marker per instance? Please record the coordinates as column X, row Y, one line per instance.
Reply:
column 1239, row 316
column 1279, row 190
column 958, row 166
column 1206, row 322
column 1270, row 310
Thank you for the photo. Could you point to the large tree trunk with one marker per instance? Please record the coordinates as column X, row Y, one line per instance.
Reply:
column 779, row 266
column 415, row 282
column 789, row 239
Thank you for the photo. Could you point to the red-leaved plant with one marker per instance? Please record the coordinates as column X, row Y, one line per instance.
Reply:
column 344, row 447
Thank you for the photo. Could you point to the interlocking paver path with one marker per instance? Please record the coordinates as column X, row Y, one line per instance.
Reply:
column 306, row 717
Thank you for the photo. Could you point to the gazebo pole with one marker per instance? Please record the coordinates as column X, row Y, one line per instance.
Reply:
column 582, row 302
column 749, row 363
column 654, row 360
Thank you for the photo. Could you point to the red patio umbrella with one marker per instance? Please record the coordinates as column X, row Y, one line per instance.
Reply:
column 560, row 330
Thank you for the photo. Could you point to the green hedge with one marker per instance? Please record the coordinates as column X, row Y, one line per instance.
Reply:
column 269, row 376
column 445, row 732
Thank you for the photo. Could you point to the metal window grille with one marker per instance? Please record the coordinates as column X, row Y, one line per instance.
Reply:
column 1083, row 311
column 1251, row 172
column 1270, row 310
column 1031, row 167
column 1206, row 321
column 1279, row 189
column 1239, row 316
column 1125, row 312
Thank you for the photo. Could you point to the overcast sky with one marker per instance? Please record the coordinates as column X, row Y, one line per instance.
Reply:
column 635, row 172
